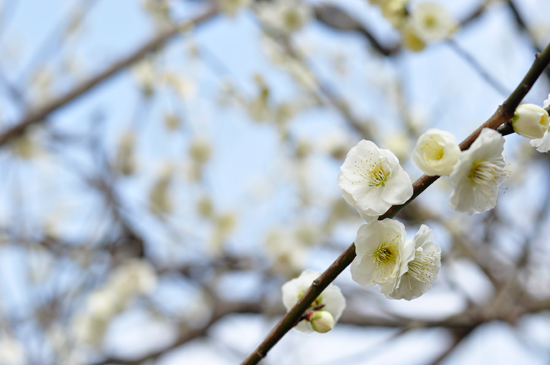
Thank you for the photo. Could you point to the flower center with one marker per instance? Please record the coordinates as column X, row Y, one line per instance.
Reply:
column 423, row 265
column 488, row 175
column 386, row 256
column 430, row 21
column 433, row 150
column 378, row 174
column 292, row 19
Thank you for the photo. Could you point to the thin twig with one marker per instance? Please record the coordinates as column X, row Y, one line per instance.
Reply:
column 475, row 65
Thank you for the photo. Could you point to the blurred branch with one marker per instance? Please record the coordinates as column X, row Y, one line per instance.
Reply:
column 476, row 66
column 523, row 26
column 503, row 114
column 221, row 310
column 37, row 116
column 458, row 336
column 52, row 38
column 336, row 18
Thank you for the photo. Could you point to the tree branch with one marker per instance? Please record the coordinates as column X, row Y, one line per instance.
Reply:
column 38, row 116
column 503, row 114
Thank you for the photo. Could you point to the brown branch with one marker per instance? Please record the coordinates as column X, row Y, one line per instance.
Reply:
column 503, row 114
column 37, row 116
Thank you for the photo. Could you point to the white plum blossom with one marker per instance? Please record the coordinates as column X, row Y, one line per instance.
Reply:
column 436, row 152
column 543, row 144
column 421, row 268
column 331, row 301
column 372, row 180
column 286, row 16
column 431, row 21
column 232, row 7
column 478, row 174
column 381, row 254
column 530, row 121
column 132, row 278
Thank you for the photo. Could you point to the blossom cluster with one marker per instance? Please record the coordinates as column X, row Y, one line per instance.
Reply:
column 420, row 24
column 372, row 181
column 133, row 278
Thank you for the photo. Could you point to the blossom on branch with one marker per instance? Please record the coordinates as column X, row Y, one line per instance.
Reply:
column 324, row 311
column 543, row 144
column 381, row 254
column 285, row 16
column 422, row 268
column 530, row 121
column 478, row 174
column 372, row 180
column 436, row 153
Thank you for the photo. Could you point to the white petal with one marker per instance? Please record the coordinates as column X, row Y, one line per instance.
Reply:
column 398, row 188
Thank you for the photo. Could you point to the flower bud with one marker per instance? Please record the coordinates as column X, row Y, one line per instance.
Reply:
column 322, row 322
column 530, row 121
column 436, row 152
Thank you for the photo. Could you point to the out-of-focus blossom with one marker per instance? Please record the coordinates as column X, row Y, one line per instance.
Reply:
column 126, row 162
column 159, row 197
column 431, row 21
column 232, row 7
column 286, row 16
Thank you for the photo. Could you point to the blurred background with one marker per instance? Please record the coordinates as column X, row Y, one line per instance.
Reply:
column 166, row 165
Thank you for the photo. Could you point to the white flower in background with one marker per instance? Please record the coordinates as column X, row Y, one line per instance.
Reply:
column 184, row 86
column 200, row 150
column 11, row 351
column 436, row 152
column 546, row 103
column 432, row 22
column 478, row 174
column 395, row 11
column 421, row 268
column 331, row 301
column 145, row 74
column 125, row 161
column 160, row 201
column 288, row 252
column 232, row 7
column 336, row 144
column 410, row 38
column 286, row 16
column 399, row 143
column 372, row 180
column 381, row 254
column 530, row 121
column 135, row 277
